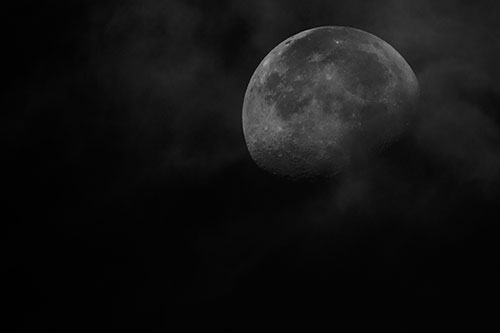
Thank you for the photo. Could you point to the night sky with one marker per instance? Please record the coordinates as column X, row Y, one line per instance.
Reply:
column 131, row 202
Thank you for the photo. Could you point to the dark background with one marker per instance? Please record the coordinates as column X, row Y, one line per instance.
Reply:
column 132, row 204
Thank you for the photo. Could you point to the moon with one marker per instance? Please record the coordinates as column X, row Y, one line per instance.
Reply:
column 324, row 98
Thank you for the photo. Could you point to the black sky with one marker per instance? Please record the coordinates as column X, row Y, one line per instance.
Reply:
column 133, row 204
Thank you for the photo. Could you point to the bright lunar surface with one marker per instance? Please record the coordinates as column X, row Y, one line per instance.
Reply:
column 325, row 97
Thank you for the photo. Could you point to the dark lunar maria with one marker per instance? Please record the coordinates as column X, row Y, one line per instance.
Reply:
column 325, row 97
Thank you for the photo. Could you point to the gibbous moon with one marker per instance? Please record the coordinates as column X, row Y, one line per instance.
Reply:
column 325, row 97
